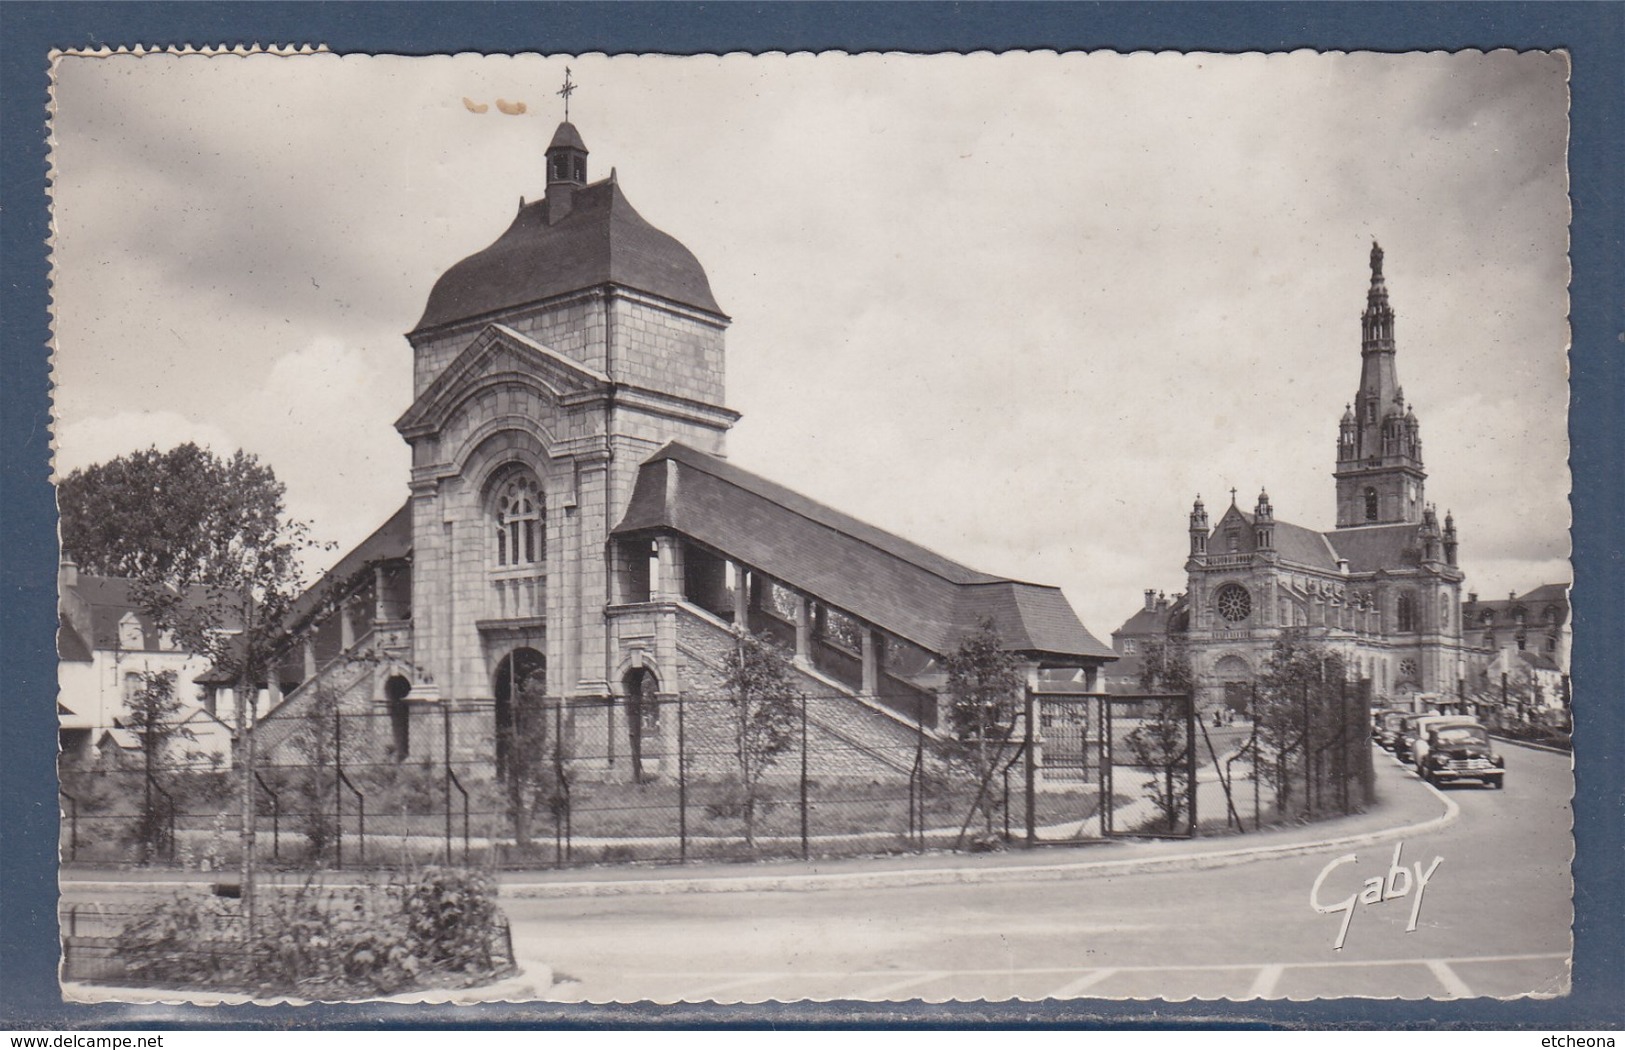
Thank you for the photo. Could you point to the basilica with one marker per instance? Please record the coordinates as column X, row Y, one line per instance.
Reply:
column 1383, row 586
column 575, row 529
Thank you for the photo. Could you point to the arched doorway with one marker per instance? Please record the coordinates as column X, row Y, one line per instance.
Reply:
column 642, row 718
column 396, row 687
column 521, row 724
column 1236, row 679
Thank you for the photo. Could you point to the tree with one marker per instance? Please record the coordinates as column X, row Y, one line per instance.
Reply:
column 215, row 560
column 152, row 514
column 152, row 713
column 1306, row 721
column 1160, row 745
column 1166, row 667
column 985, row 693
column 765, row 711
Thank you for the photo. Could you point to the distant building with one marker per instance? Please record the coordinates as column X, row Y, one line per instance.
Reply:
column 1536, row 622
column 1152, row 622
column 107, row 647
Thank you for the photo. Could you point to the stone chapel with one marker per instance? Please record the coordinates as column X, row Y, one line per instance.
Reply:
column 574, row 526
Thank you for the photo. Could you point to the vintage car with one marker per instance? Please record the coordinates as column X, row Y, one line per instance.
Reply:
column 1462, row 751
column 1411, row 728
column 1420, row 737
column 1387, row 727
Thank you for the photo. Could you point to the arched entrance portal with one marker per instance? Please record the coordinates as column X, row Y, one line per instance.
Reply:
column 1236, row 679
column 642, row 719
column 521, row 723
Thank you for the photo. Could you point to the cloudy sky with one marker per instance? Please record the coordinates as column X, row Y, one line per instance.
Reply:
column 1020, row 308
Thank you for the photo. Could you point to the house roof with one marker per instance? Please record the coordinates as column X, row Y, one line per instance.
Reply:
column 91, row 609
column 897, row 585
column 602, row 240
column 70, row 644
column 1293, row 543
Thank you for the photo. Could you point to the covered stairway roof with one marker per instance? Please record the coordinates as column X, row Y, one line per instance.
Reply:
column 898, row 586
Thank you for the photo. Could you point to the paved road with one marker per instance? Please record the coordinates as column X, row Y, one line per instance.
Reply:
column 1494, row 920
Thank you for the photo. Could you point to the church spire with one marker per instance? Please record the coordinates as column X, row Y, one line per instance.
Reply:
column 1379, row 441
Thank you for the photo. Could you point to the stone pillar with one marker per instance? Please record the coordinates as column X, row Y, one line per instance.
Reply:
column 741, row 595
column 346, row 627
column 873, row 646
column 379, row 608
column 803, row 630
column 309, row 646
column 670, row 587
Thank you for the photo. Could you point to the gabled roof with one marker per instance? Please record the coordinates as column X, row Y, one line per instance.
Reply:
column 500, row 353
column 602, row 240
column 91, row 609
column 1547, row 593
column 1293, row 543
column 899, row 586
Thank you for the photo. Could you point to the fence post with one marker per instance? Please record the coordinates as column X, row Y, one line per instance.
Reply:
column 805, row 847
column 445, row 732
column 1190, row 758
column 1308, row 759
column 1029, row 768
column 1106, row 786
column 338, row 787
column 918, row 817
column 1258, row 772
column 682, row 784
column 73, row 825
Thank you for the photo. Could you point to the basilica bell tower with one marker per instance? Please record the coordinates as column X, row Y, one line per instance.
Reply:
column 1379, row 446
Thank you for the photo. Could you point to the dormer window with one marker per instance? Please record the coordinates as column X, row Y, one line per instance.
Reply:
column 129, row 632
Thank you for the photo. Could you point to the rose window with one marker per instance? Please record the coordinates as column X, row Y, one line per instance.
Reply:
column 1235, row 604
column 1407, row 670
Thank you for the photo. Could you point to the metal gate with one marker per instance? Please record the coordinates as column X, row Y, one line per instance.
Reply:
column 1108, row 766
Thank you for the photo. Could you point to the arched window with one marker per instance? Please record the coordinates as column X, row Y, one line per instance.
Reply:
column 519, row 520
column 1444, row 612
column 1371, row 506
column 1405, row 612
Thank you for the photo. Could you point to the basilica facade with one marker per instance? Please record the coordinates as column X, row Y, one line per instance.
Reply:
column 1383, row 587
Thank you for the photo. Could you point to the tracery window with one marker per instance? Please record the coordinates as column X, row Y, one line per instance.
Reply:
column 519, row 520
column 1406, row 612
column 1371, row 506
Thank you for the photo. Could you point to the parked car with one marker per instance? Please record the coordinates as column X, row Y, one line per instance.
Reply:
column 1420, row 740
column 1410, row 730
column 1387, row 727
column 1462, row 751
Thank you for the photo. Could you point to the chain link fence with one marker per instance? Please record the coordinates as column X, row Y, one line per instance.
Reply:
column 675, row 778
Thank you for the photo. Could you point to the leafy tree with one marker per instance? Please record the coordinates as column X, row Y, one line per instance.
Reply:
column 1166, row 666
column 215, row 560
column 1306, row 721
column 152, row 514
column 985, row 694
column 152, row 713
column 765, row 710
column 1160, row 745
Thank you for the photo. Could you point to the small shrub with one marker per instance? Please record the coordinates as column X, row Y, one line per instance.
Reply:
column 450, row 913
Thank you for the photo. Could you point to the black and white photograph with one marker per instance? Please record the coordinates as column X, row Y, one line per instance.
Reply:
column 784, row 528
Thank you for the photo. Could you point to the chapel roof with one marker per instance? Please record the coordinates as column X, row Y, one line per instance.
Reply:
column 900, row 586
column 600, row 240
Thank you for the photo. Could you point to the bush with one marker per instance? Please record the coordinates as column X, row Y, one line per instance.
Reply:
column 374, row 939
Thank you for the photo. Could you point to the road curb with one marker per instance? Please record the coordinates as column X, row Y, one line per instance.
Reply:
column 972, row 876
column 1533, row 746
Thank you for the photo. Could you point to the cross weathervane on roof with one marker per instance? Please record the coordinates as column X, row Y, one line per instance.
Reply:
column 1232, row 494
column 565, row 92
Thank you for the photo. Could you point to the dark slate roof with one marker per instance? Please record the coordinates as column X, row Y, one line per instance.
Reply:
column 602, row 240
column 1293, row 543
column 70, row 644
column 1539, row 661
column 899, row 586
column 1374, row 547
column 1555, row 593
column 108, row 599
column 567, row 136
column 391, row 541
